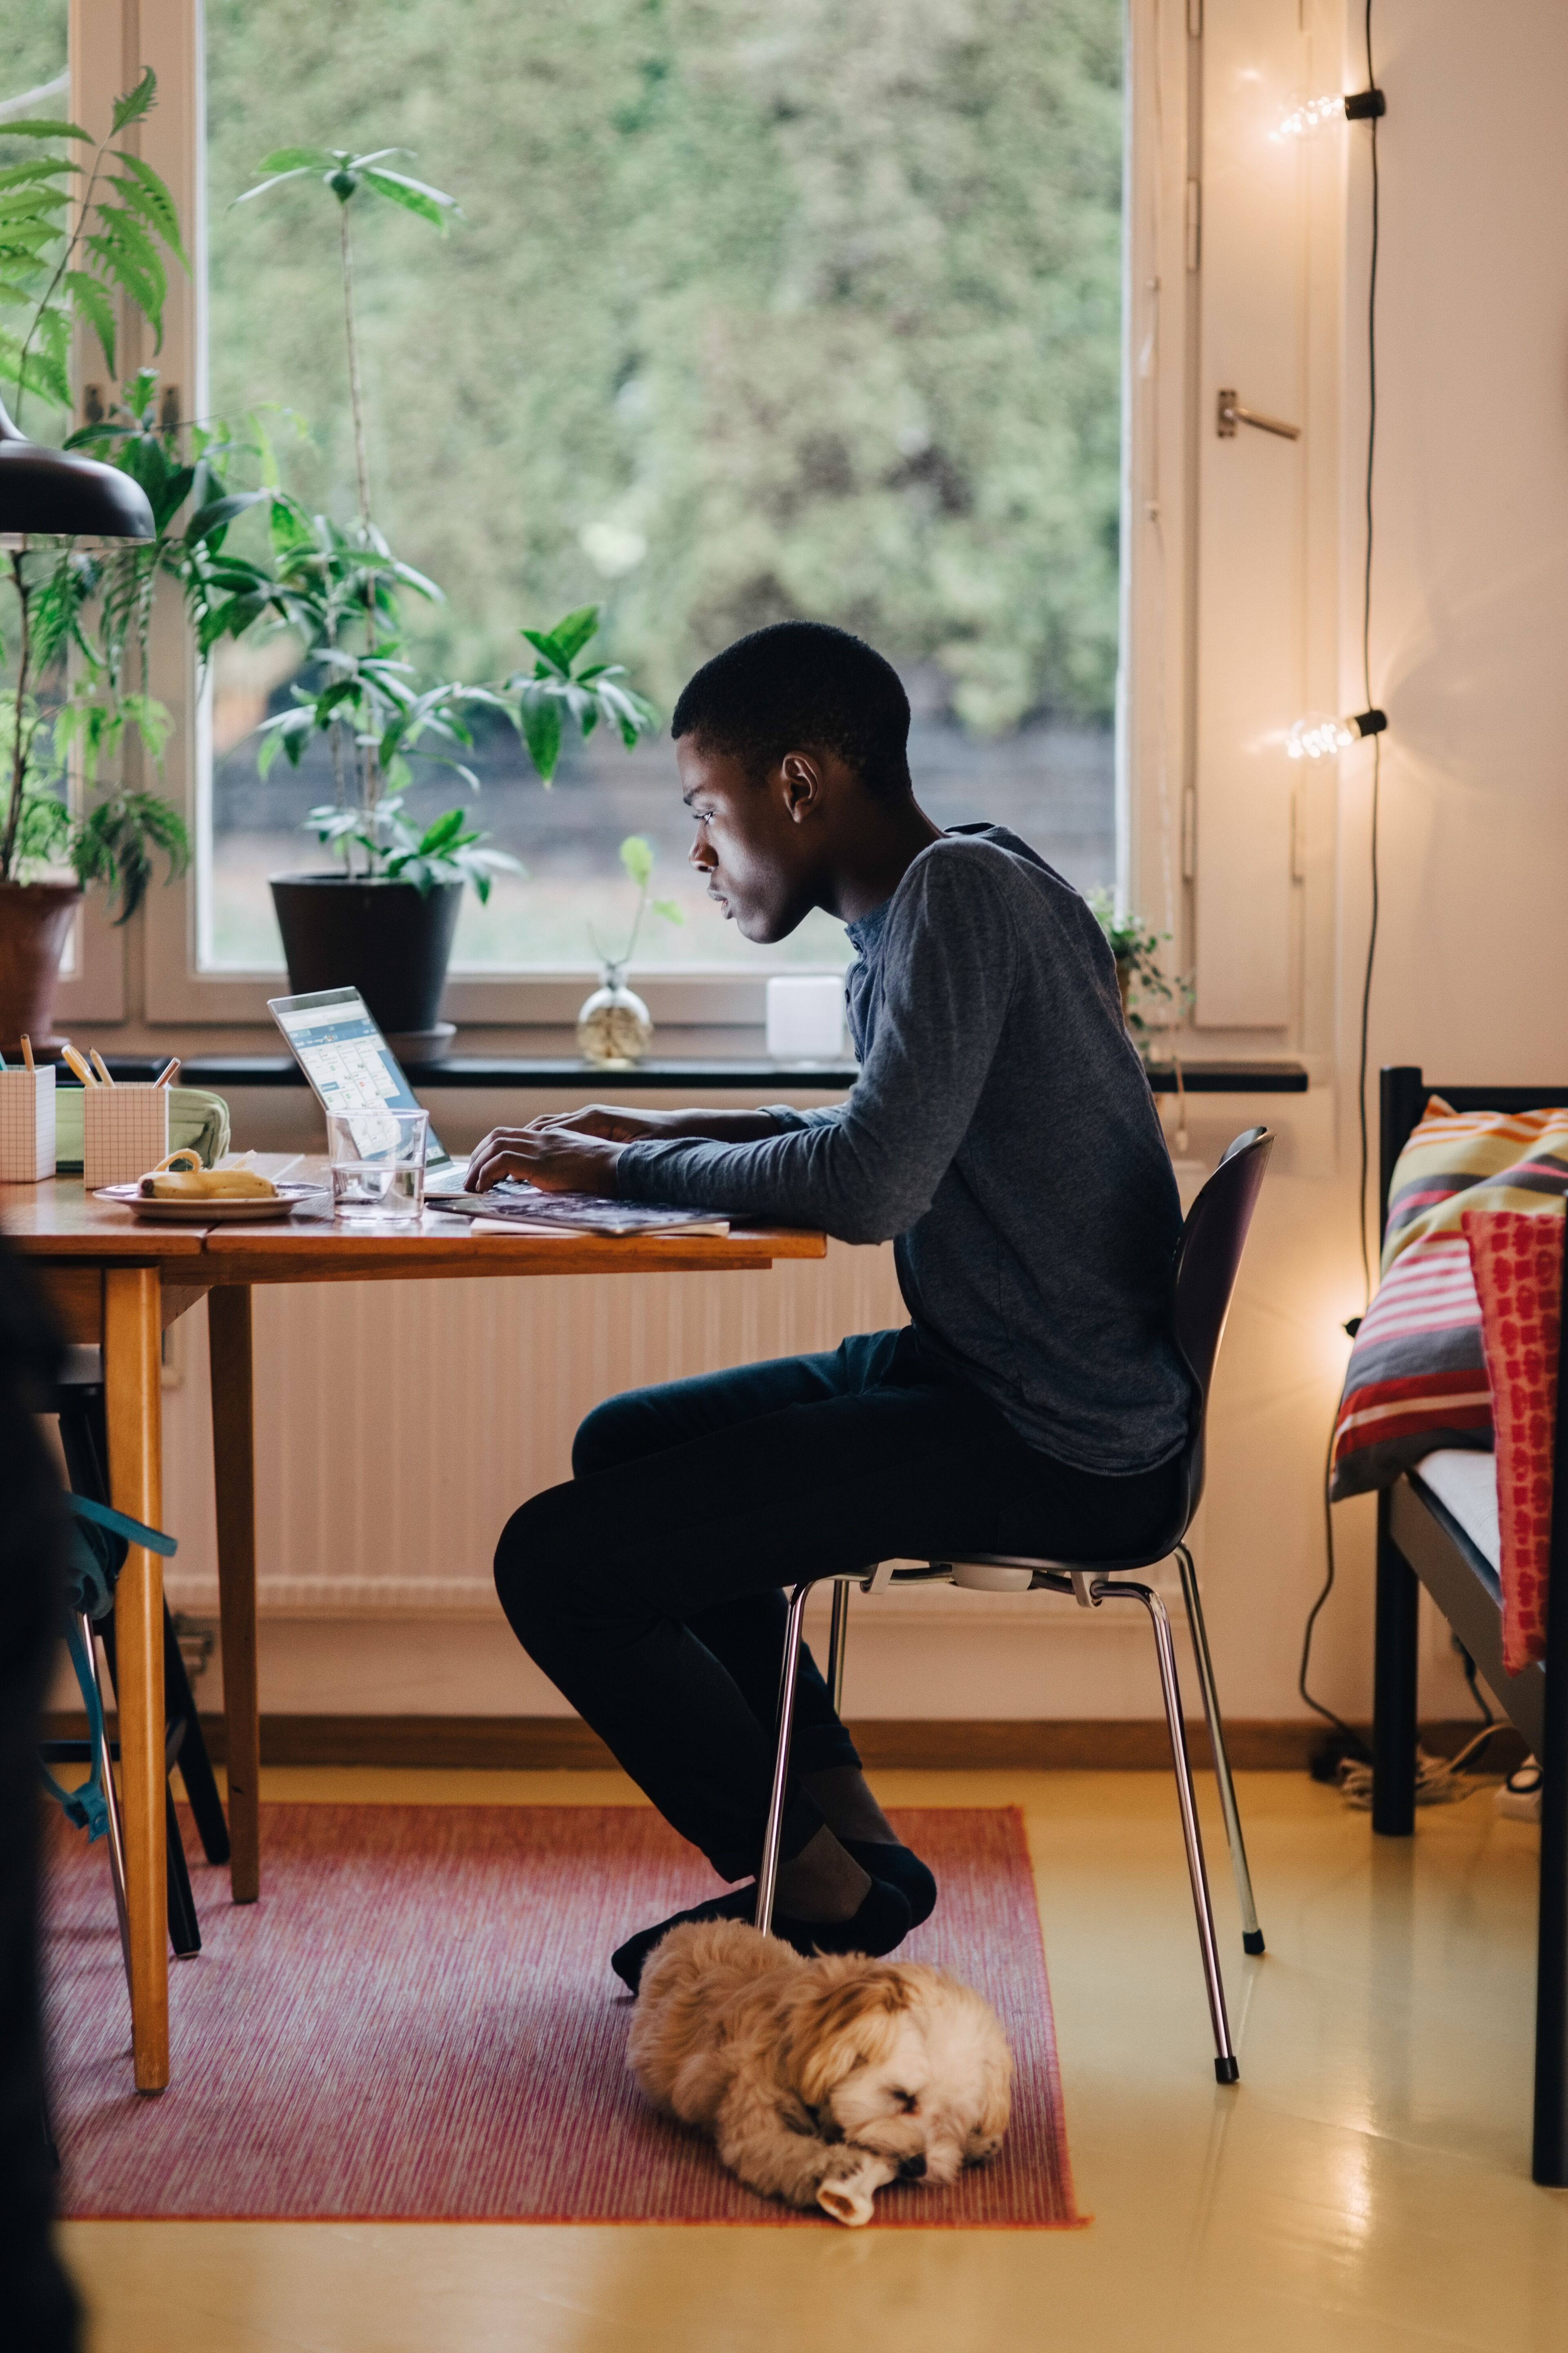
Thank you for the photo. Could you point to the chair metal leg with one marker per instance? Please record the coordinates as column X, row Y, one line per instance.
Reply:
column 838, row 1643
column 789, row 1675
column 1226, row 2066
column 110, row 1803
column 1251, row 1934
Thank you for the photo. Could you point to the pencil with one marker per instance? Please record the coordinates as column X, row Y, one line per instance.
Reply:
column 74, row 1065
column 167, row 1072
column 27, row 1051
column 99, row 1065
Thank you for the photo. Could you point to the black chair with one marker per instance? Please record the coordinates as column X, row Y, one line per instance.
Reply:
column 1207, row 1258
column 77, row 1401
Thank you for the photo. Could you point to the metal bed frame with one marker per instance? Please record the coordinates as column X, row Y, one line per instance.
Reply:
column 1420, row 1543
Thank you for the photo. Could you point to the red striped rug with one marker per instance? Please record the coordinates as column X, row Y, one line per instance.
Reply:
column 418, row 2022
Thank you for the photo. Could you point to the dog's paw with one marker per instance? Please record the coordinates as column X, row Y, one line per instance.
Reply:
column 848, row 2196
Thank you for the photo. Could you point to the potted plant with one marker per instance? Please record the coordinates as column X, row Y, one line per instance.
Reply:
column 66, row 255
column 384, row 922
column 1140, row 975
column 614, row 1028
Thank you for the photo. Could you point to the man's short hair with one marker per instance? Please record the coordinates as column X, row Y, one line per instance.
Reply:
column 801, row 686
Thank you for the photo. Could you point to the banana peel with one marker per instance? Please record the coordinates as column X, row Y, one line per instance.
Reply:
column 195, row 1183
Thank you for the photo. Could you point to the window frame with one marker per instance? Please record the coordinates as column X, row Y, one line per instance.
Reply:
column 171, row 990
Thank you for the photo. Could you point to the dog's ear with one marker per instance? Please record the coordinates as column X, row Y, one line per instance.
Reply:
column 845, row 2023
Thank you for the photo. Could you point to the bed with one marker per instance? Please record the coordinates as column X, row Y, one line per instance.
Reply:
column 1438, row 1526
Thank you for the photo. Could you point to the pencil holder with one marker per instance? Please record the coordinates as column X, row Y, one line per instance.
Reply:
column 125, row 1132
column 27, row 1124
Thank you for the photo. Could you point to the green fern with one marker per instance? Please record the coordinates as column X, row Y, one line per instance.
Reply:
column 65, row 257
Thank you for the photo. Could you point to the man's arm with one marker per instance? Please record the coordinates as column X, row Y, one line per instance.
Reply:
column 576, row 1151
column 868, row 1169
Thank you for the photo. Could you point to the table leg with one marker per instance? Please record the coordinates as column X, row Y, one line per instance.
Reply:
column 234, row 1470
column 133, row 1404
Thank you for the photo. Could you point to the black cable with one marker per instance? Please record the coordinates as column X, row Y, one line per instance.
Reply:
column 1316, row 1705
column 1366, row 669
column 1483, row 1703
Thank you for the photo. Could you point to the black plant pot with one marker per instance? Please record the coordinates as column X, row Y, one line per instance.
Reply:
column 388, row 940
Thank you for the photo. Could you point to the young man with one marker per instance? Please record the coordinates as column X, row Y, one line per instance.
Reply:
column 1002, row 1135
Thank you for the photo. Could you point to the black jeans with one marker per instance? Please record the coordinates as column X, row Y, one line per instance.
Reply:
column 649, row 1587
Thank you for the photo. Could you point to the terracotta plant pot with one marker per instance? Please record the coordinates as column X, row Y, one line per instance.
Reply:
column 35, row 924
column 387, row 939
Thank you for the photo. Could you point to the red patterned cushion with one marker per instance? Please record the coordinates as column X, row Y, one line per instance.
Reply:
column 1416, row 1378
column 1517, row 1255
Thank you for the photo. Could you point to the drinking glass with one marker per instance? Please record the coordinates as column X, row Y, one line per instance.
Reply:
column 378, row 1165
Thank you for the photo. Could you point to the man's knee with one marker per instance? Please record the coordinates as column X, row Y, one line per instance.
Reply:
column 617, row 1431
column 529, row 1560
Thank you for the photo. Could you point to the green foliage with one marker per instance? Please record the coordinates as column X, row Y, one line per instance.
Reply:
column 347, row 174
column 334, row 587
column 637, row 856
column 77, row 238
column 75, row 235
column 764, row 308
column 114, row 839
column 1139, row 975
column 554, row 692
column 449, row 850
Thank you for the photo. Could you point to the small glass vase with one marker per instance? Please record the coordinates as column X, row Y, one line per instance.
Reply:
column 614, row 1028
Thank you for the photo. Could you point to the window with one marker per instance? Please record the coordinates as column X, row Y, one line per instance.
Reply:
column 757, row 309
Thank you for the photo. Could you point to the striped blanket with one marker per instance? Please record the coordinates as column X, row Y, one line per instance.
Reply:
column 1417, row 1375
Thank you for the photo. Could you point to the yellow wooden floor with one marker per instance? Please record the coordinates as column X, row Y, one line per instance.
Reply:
column 1366, row 2189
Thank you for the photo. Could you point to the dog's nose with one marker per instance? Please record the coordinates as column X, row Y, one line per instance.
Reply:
column 913, row 2168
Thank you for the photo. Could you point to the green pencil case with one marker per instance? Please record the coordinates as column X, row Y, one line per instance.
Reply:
column 198, row 1121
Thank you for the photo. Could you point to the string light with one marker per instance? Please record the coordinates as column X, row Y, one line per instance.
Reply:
column 1315, row 737
column 1350, row 106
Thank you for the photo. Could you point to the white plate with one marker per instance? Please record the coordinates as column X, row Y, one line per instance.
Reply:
column 216, row 1212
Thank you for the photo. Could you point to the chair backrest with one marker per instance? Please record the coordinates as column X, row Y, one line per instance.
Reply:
column 1208, row 1257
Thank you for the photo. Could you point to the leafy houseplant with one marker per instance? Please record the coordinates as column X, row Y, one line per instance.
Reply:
column 614, row 1028
column 386, row 921
column 1140, row 977
column 65, row 255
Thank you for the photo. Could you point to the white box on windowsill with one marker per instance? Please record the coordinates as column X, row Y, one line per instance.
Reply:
column 27, row 1124
column 805, row 1017
column 125, row 1132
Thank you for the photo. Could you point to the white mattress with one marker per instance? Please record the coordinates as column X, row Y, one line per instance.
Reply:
column 1467, row 1483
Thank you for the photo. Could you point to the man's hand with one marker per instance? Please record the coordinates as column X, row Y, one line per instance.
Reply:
column 611, row 1121
column 556, row 1159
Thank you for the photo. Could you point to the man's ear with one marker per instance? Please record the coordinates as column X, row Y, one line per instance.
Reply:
column 801, row 776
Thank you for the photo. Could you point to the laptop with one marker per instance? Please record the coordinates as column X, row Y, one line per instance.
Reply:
column 351, row 1067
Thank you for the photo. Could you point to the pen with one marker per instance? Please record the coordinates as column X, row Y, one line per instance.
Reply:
column 74, row 1065
column 99, row 1065
column 167, row 1072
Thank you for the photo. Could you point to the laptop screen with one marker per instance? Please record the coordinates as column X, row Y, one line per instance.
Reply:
column 346, row 1059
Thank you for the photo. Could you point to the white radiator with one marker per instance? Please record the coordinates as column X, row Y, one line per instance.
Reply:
column 399, row 1424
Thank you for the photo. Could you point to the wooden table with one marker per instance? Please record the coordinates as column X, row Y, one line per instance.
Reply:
column 116, row 1284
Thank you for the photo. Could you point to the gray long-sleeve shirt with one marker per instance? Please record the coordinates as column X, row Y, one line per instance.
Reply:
column 1003, row 1134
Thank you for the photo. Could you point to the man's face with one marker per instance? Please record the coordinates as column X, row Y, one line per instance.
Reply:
column 754, row 846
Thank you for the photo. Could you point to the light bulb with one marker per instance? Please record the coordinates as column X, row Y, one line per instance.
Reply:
column 1308, row 116
column 1317, row 737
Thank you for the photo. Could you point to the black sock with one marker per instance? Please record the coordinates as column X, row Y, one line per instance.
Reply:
column 898, row 1867
column 881, row 1922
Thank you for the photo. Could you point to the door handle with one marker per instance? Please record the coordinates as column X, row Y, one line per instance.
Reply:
column 1229, row 413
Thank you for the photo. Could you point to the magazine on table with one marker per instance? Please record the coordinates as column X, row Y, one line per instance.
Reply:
column 514, row 1203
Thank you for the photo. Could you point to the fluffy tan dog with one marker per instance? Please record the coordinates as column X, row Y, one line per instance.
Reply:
column 820, row 2081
